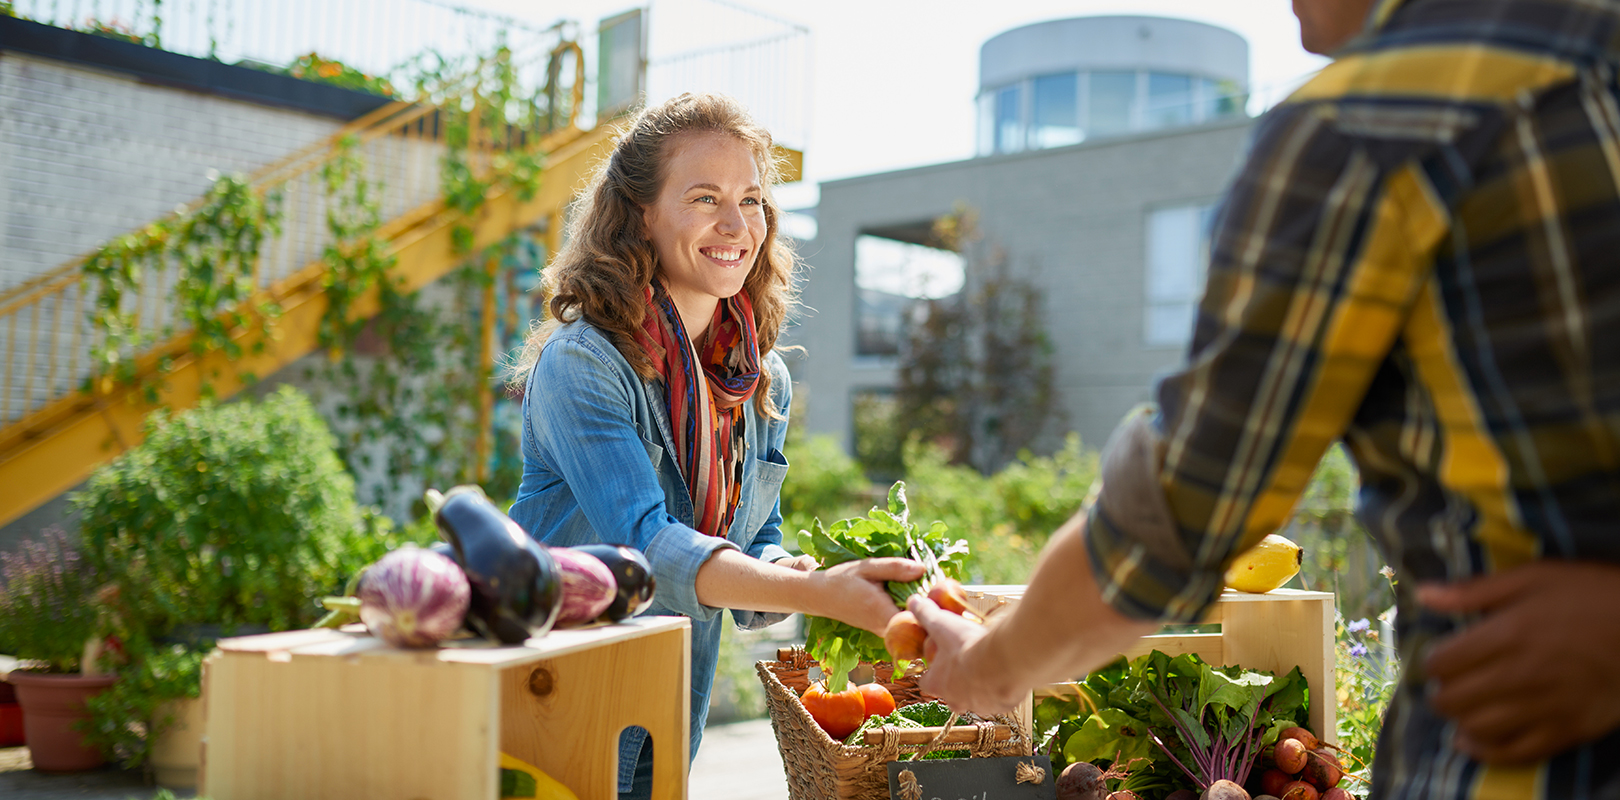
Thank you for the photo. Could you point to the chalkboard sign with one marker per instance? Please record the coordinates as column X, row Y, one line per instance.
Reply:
column 1004, row 778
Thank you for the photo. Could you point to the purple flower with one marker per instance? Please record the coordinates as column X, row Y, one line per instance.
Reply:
column 1359, row 626
column 1358, row 650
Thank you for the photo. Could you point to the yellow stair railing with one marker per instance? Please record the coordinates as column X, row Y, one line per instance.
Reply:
column 59, row 420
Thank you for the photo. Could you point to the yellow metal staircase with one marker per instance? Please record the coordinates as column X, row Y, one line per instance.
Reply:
column 53, row 433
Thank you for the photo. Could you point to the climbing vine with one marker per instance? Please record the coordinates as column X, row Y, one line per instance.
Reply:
column 212, row 251
column 401, row 388
column 404, row 385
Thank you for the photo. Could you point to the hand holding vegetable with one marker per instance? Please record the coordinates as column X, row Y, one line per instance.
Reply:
column 1534, row 675
column 954, row 662
column 882, row 537
column 856, row 593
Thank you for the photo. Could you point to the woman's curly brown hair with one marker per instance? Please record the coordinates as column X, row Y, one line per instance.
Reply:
column 602, row 272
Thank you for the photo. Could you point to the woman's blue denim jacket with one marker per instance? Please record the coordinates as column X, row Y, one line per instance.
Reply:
column 597, row 467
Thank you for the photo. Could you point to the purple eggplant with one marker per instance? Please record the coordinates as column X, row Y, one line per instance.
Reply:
column 516, row 585
column 632, row 574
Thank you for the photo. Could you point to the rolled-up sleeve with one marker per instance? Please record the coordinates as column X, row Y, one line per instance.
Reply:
column 580, row 412
column 1319, row 251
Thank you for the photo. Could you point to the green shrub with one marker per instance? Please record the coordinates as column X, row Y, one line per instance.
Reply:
column 227, row 518
column 822, row 482
column 1006, row 517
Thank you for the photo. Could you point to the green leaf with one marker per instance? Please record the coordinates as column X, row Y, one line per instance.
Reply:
column 1109, row 735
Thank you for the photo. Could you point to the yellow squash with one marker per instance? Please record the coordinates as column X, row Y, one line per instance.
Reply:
column 522, row 779
column 1265, row 566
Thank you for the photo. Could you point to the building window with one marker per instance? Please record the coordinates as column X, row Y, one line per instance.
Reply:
column 1169, row 100
column 1177, row 260
column 1010, row 119
column 890, row 276
column 1112, row 103
column 1056, row 115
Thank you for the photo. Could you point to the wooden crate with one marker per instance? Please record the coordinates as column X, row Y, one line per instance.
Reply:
column 1275, row 631
column 325, row 713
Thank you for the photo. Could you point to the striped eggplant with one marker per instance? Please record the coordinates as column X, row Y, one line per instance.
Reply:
column 413, row 597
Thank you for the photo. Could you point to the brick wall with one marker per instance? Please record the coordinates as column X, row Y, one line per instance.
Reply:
column 87, row 155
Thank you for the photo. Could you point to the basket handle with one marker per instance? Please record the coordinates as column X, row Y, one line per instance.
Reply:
column 962, row 734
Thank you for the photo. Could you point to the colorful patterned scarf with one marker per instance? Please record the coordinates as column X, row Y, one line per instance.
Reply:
column 706, row 405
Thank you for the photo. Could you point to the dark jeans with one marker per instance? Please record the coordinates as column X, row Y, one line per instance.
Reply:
column 641, row 788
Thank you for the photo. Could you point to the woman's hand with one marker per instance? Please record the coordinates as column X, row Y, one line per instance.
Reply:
column 853, row 592
column 1535, row 674
column 800, row 563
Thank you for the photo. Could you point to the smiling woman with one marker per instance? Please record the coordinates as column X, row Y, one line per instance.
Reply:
column 654, row 403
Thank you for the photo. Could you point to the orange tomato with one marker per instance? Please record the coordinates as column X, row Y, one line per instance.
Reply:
column 840, row 713
column 879, row 703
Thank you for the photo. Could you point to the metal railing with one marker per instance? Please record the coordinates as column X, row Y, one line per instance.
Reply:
column 378, row 37
column 44, row 328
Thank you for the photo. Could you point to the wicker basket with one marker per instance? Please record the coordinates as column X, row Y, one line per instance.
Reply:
column 821, row 768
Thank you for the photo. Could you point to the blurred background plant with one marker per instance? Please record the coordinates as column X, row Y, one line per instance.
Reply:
column 227, row 519
column 1367, row 671
column 47, row 603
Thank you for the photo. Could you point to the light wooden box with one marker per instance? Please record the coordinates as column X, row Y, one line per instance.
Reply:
column 1275, row 632
column 340, row 714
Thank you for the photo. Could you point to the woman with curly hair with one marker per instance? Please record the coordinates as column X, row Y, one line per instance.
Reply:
column 655, row 405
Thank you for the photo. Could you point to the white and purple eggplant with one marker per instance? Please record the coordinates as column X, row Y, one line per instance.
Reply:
column 632, row 578
column 588, row 587
column 413, row 597
column 516, row 585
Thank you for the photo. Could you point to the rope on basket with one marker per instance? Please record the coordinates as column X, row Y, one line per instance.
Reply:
column 949, row 723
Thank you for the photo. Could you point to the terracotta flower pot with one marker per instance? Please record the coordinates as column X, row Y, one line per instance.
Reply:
column 51, row 705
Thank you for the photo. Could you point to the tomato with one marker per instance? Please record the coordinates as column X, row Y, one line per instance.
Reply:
column 879, row 703
column 839, row 714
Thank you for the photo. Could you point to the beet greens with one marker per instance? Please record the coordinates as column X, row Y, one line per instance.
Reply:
column 1210, row 722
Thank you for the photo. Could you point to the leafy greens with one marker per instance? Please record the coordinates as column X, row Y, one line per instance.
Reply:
column 882, row 533
column 1209, row 722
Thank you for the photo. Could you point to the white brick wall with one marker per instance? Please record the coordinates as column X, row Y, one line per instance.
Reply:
column 86, row 155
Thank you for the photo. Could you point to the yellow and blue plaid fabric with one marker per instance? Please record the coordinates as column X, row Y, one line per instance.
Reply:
column 1421, row 258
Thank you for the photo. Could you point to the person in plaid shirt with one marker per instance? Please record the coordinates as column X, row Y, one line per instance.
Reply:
column 1420, row 258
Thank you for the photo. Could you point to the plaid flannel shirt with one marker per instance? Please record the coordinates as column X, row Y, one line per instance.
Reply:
column 1421, row 258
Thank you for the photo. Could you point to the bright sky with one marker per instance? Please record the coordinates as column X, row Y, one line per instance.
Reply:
column 894, row 81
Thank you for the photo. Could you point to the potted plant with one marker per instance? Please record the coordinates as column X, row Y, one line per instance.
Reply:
column 47, row 615
column 226, row 520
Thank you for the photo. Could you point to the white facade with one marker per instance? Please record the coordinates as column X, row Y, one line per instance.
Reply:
column 1065, row 81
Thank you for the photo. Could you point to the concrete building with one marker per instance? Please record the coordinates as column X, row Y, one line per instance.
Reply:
column 1104, row 144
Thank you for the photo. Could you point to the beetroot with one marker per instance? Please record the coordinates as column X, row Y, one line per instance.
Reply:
column 1182, row 794
column 1224, row 790
column 413, row 597
column 1272, row 781
column 1300, row 790
column 1081, row 780
column 1290, row 755
column 588, row 587
column 1322, row 769
column 1304, row 736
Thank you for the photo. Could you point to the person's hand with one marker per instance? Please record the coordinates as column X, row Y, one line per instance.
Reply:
column 1536, row 674
column 961, row 671
column 800, row 563
column 853, row 592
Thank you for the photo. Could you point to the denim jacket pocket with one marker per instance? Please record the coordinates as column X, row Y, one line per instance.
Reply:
column 655, row 452
column 769, row 473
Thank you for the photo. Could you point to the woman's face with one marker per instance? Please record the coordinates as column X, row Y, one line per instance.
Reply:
column 707, row 224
